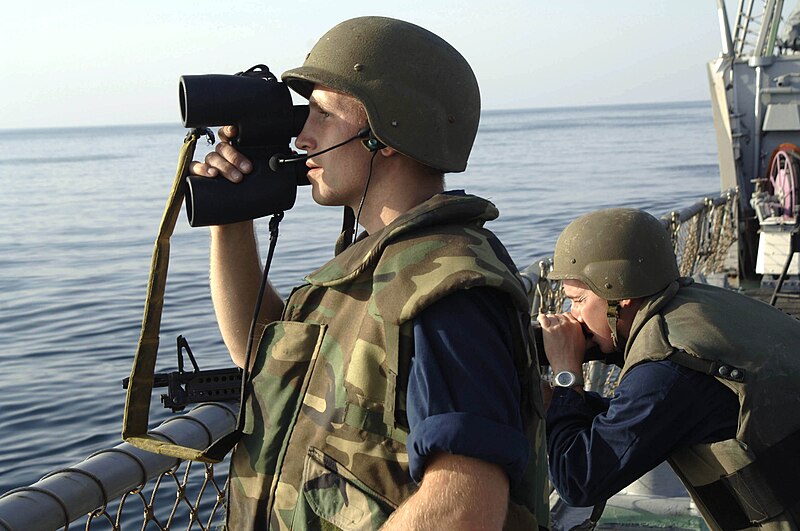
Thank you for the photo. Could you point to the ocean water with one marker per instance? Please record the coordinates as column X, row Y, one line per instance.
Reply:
column 80, row 208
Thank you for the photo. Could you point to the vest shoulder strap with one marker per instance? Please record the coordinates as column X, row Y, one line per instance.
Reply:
column 712, row 368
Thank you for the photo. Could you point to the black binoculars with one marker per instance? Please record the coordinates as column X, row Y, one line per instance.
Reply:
column 261, row 108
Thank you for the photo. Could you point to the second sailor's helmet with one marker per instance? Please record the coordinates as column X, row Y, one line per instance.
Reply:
column 420, row 95
column 620, row 253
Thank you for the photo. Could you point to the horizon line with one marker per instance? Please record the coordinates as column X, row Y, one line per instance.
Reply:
column 488, row 110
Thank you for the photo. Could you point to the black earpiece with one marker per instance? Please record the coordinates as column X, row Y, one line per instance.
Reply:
column 372, row 143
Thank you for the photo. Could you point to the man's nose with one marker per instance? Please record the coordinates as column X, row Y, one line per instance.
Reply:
column 304, row 142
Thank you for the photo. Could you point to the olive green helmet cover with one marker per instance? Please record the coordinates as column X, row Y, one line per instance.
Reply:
column 620, row 253
column 420, row 94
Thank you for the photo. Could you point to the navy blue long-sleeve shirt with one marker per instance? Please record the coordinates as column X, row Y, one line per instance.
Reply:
column 598, row 446
column 463, row 391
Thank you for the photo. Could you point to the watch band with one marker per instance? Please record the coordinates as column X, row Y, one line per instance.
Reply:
column 567, row 379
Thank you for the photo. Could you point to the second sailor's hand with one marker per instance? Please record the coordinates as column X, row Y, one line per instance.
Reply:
column 564, row 342
column 225, row 160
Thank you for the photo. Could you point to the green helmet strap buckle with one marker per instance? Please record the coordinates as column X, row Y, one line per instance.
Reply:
column 612, row 313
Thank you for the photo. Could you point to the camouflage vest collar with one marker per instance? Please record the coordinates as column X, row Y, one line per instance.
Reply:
column 441, row 209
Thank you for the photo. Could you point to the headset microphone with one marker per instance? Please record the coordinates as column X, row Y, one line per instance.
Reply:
column 277, row 160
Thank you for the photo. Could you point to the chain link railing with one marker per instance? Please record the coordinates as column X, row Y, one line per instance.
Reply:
column 702, row 235
column 205, row 510
column 127, row 487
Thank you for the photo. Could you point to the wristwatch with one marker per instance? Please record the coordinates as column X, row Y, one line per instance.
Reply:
column 567, row 379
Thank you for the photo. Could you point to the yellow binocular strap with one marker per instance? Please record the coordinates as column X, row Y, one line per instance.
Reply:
column 140, row 385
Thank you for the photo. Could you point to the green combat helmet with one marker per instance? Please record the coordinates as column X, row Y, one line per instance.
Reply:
column 620, row 253
column 420, row 94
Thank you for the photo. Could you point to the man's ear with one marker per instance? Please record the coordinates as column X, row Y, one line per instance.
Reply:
column 631, row 304
column 388, row 152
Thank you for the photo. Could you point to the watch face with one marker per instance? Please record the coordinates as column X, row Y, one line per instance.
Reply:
column 565, row 379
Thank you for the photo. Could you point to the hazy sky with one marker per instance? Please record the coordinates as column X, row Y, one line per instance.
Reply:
column 107, row 63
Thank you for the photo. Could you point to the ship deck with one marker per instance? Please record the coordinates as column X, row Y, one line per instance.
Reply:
column 788, row 302
column 788, row 299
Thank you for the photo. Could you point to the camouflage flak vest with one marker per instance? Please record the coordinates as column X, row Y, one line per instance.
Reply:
column 753, row 349
column 325, row 432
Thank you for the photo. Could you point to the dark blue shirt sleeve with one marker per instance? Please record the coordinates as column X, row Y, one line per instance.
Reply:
column 657, row 408
column 463, row 389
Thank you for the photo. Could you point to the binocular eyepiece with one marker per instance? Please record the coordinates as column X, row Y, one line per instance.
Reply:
column 261, row 108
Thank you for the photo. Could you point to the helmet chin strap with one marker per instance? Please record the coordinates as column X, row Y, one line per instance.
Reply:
column 612, row 313
column 350, row 220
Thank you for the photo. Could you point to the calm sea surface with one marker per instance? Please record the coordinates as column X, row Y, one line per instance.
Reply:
column 80, row 208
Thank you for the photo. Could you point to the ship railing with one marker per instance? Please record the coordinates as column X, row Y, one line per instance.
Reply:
column 702, row 235
column 747, row 24
column 755, row 28
column 127, row 487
